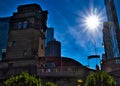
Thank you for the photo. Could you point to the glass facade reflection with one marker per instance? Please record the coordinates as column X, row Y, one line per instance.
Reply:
column 112, row 10
column 117, row 6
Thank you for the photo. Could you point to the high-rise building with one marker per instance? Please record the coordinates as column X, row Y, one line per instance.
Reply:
column 117, row 6
column 53, row 48
column 49, row 35
column 113, row 26
column 111, row 38
column 4, row 27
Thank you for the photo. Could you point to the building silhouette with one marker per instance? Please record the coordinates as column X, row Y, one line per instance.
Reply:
column 111, row 38
column 53, row 48
column 26, row 50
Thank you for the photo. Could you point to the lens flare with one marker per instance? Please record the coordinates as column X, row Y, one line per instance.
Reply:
column 92, row 22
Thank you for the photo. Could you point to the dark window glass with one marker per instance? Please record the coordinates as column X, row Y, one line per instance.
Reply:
column 25, row 24
column 13, row 43
column 24, row 52
column 3, row 53
column 15, row 25
column 19, row 25
column 31, row 25
column 41, row 46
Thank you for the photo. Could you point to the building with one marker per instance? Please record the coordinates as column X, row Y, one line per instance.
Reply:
column 49, row 35
column 64, row 71
column 117, row 6
column 53, row 48
column 114, row 27
column 26, row 50
column 4, row 27
column 25, row 40
column 107, row 40
column 111, row 38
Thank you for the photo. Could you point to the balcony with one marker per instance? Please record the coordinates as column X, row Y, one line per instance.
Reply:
column 110, row 65
column 66, row 71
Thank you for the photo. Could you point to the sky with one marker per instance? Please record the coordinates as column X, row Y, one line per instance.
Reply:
column 66, row 17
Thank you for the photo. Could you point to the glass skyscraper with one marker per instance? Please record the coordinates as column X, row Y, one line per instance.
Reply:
column 117, row 6
column 111, row 37
column 113, row 19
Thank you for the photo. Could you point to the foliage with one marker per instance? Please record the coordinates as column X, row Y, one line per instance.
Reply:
column 100, row 78
column 50, row 84
column 24, row 79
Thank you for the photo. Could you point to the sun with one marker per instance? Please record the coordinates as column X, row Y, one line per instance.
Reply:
column 92, row 19
column 92, row 22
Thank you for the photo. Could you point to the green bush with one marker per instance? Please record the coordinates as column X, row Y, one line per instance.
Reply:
column 50, row 84
column 24, row 79
column 100, row 78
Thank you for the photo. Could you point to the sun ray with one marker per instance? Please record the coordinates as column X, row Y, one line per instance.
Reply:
column 92, row 20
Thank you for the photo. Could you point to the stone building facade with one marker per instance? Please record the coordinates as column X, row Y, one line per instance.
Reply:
column 25, row 41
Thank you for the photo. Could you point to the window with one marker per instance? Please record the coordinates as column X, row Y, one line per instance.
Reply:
column 13, row 43
column 15, row 25
column 31, row 24
column 25, row 24
column 3, row 53
column 117, row 61
column 24, row 52
column 10, row 44
column 41, row 46
column 19, row 25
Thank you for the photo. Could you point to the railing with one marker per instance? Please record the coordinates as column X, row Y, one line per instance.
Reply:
column 111, row 65
column 68, row 71
column 112, row 60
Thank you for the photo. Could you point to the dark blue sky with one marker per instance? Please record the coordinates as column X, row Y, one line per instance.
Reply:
column 65, row 16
